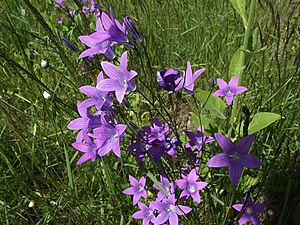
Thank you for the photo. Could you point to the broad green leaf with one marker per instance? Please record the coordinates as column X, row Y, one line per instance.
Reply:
column 212, row 103
column 204, row 120
column 239, row 6
column 236, row 63
column 262, row 120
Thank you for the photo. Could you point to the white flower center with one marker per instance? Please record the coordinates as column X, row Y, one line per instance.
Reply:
column 235, row 157
column 249, row 210
column 171, row 208
column 149, row 213
column 140, row 188
column 191, row 188
column 229, row 93
column 199, row 141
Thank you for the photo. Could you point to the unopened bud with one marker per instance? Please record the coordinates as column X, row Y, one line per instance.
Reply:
column 46, row 95
column 211, row 83
column 44, row 63
column 131, row 27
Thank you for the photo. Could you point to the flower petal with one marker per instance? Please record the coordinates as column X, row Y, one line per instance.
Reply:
column 112, row 71
column 240, row 90
column 108, row 85
column 244, row 145
column 244, row 218
column 235, row 172
column 221, row 83
column 254, row 219
column 173, row 219
column 218, row 93
column 234, row 81
column 250, row 161
column 87, row 156
column 238, row 207
column 120, row 93
column 217, row 161
column 229, row 99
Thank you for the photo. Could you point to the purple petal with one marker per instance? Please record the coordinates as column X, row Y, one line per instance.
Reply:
column 133, row 181
column 219, row 160
column 112, row 71
column 161, row 218
column 136, row 199
column 188, row 74
column 225, row 143
column 182, row 184
column 254, row 219
column 244, row 145
column 123, row 63
column 183, row 210
column 120, row 128
column 100, row 77
column 104, row 149
column 100, row 36
column 78, row 124
column 229, row 99
column 173, row 219
column 88, row 103
column 120, row 93
column 84, row 158
column 192, row 177
column 138, row 215
column 259, row 207
column 99, row 26
column 83, row 147
column 218, row 93
column 116, row 148
column 90, row 91
column 244, row 218
column 250, row 161
column 240, row 90
column 142, row 181
column 107, row 23
column 235, row 172
column 221, row 83
column 129, row 191
column 196, row 196
column 234, row 81
column 201, row 185
column 88, row 41
column 108, row 85
column 197, row 73
column 238, row 207
column 89, row 52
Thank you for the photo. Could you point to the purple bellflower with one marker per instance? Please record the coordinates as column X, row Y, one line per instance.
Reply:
column 137, row 189
column 198, row 139
column 190, row 186
column 235, row 156
column 131, row 27
column 165, row 183
column 89, row 149
column 188, row 79
column 110, row 136
column 69, row 44
column 96, row 46
column 146, row 213
column 168, row 210
column 60, row 20
column 113, row 30
column 167, row 79
column 249, row 211
column 229, row 90
column 87, row 121
column 119, row 78
column 59, row 3
column 158, row 131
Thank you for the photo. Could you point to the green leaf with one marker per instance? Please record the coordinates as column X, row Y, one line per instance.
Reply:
column 155, row 181
column 262, row 120
column 239, row 6
column 204, row 120
column 236, row 63
column 212, row 103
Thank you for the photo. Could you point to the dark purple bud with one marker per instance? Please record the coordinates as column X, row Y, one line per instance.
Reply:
column 246, row 111
column 69, row 44
column 133, row 126
column 126, row 103
column 211, row 83
column 131, row 27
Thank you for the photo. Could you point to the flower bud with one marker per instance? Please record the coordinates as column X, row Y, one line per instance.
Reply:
column 69, row 44
column 131, row 27
column 211, row 83
column 44, row 63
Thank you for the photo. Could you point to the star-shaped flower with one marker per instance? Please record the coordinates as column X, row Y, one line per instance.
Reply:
column 249, row 211
column 146, row 213
column 235, row 156
column 190, row 186
column 137, row 189
column 229, row 90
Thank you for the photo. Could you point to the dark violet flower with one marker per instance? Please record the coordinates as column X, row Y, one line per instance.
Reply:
column 168, row 210
column 87, row 121
column 89, row 149
column 59, row 3
column 110, row 136
column 249, row 211
column 119, row 78
column 69, row 44
column 167, row 79
column 85, row 10
column 188, row 79
column 190, row 186
column 60, row 20
column 96, row 46
column 165, row 183
column 146, row 213
column 229, row 90
column 137, row 189
column 198, row 139
column 235, row 156
column 158, row 131
column 131, row 27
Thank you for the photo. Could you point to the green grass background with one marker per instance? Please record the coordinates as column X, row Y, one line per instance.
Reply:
column 37, row 161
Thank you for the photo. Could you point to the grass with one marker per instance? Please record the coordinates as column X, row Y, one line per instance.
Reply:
column 37, row 161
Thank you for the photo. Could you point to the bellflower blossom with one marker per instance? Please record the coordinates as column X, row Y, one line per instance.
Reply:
column 137, row 189
column 190, row 186
column 167, row 185
column 96, row 46
column 167, row 79
column 229, row 90
column 198, row 139
column 188, row 79
column 131, row 27
column 119, row 78
column 59, row 3
column 235, row 156
column 249, row 211
column 158, row 131
column 110, row 136
column 145, row 213
column 168, row 210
